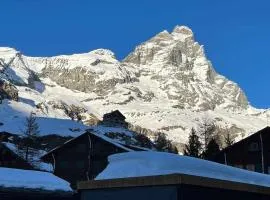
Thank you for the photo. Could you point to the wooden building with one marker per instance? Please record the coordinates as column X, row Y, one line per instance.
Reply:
column 10, row 159
column 171, row 187
column 84, row 157
column 114, row 118
column 251, row 153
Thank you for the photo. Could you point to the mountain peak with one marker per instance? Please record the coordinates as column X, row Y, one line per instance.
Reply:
column 103, row 52
column 182, row 30
column 8, row 52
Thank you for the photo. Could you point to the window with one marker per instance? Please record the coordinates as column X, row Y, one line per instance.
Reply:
column 250, row 167
column 254, row 146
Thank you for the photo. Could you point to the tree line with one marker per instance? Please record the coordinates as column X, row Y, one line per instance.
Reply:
column 205, row 142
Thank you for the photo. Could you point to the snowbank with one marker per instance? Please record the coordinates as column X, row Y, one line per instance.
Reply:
column 135, row 164
column 28, row 179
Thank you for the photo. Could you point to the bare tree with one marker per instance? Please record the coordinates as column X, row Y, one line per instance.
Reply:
column 206, row 130
column 30, row 133
column 228, row 139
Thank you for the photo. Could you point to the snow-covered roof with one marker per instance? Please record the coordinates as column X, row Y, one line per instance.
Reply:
column 37, row 164
column 138, row 164
column 29, row 179
column 101, row 131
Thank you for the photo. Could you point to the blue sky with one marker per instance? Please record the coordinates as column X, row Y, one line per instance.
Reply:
column 235, row 33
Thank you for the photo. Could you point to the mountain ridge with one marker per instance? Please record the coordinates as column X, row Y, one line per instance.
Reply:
column 166, row 84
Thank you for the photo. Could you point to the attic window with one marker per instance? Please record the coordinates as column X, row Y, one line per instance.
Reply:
column 254, row 146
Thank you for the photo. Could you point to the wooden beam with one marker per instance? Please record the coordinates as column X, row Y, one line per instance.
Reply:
column 172, row 179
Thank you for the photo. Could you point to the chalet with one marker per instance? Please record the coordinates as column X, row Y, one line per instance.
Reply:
column 10, row 159
column 85, row 156
column 115, row 119
column 251, row 153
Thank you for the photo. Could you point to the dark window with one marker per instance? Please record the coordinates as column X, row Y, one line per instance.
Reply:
column 254, row 146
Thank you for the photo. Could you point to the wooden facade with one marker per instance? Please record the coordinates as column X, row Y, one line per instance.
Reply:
column 114, row 118
column 171, row 187
column 251, row 153
column 82, row 158
column 10, row 159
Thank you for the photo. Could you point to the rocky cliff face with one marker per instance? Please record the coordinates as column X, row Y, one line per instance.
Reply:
column 166, row 84
column 180, row 67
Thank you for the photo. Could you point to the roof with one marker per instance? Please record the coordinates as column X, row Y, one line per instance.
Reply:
column 31, row 180
column 36, row 164
column 96, row 133
column 14, row 154
column 146, row 163
column 264, row 130
column 115, row 113
column 171, row 179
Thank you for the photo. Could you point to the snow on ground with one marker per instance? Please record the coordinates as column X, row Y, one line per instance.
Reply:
column 13, row 115
column 136, row 164
column 30, row 179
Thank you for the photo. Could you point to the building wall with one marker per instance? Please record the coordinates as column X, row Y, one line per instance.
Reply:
column 72, row 160
column 134, row 193
column 173, row 192
column 10, row 160
column 247, row 154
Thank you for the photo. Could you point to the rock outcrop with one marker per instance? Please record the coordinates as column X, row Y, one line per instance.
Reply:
column 8, row 91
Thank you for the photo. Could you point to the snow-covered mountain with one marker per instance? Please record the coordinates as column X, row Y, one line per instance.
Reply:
column 166, row 84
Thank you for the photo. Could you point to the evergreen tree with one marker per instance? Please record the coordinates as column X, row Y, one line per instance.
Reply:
column 143, row 140
column 160, row 141
column 194, row 146
column 212, row 149
column 163, row 144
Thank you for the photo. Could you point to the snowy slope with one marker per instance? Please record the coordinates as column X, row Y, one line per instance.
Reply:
column 136, row 164
column 166, row 84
